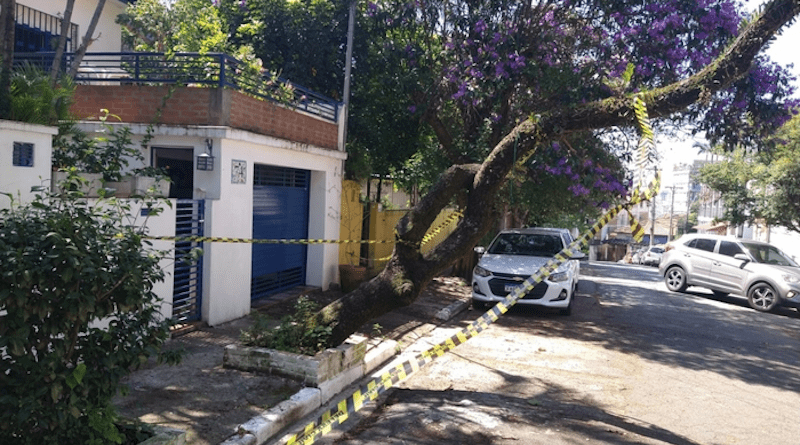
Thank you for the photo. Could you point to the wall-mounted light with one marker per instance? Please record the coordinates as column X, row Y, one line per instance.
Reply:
column 205, row 161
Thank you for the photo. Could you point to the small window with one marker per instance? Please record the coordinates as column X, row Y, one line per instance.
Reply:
column 728, row 248
column 703, row 244
column 23, row 154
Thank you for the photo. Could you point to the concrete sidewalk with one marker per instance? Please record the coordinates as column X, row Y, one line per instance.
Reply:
column 211, row 403
column 440, row 301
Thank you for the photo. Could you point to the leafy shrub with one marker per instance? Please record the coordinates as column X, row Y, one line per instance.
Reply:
column 69, row 268
column 35, row 100
column 108, row 154
column 296, row 333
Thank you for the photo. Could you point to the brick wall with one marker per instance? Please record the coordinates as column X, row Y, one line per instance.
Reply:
column 204, row 106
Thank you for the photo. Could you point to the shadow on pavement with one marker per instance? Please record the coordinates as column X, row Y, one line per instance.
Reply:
column 425, row 417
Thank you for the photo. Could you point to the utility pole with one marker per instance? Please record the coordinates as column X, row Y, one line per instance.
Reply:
column 671, row 212
column 653, row 214
column 672, row 208
column 347, row 68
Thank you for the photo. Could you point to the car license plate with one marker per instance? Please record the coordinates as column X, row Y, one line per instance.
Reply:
column 510, row 287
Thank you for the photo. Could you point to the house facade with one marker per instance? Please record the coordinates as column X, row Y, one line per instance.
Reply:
column 242, row 167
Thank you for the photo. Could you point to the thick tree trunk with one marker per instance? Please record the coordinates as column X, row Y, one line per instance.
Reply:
column 407, row 273
column 66, row 21
column 87, row 39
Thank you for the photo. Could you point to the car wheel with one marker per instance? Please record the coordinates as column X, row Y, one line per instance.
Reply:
column 675, row 279
column 762, row 297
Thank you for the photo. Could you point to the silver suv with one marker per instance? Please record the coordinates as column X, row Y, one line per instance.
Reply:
column 756, row 270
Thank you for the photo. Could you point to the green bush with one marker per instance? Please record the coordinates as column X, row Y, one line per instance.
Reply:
column 77, row 314
column 35, row 100
column 109, row 153
column 298, row 333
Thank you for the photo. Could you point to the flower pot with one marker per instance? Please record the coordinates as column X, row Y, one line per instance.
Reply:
column 139, row 185
column 90, row 188
column 142, row 184
column 351, row 276
column 123, row 188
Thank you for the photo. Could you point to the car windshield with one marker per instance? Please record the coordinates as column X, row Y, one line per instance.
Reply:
column 526, row 244
column 764, row 253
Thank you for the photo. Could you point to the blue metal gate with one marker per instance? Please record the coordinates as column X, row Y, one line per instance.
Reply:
column 280, row 211
column 187, row 290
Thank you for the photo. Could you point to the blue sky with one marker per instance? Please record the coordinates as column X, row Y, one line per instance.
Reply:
column 783, row 51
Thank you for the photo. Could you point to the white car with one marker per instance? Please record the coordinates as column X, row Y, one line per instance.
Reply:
column 513, row 256
column 652, row 256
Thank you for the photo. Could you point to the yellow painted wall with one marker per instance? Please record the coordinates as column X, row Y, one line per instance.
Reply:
column 381, row 227
column 384, row 223
column 350, row 222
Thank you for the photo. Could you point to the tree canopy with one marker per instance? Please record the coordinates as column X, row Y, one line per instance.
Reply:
column 761, row 186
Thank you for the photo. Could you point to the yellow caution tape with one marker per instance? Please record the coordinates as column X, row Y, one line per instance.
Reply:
column 217, row 239
column 341, row 412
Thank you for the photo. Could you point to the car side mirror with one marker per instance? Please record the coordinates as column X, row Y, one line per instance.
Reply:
column 577, row 256
column 741, row 257
column 480, row 250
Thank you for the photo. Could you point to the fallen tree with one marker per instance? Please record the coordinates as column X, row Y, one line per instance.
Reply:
column 408, row 271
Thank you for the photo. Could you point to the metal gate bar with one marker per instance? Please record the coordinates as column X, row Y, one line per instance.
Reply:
column 187, row 290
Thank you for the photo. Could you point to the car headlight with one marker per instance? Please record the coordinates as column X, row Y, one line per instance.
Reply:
column 481, row 272
column 793, row 279
column 558, row 277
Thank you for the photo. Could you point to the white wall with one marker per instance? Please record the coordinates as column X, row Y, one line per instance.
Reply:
column 19, row 180
column 227, row 266
column 161, row 225
column 786, row 240
column 107, row 33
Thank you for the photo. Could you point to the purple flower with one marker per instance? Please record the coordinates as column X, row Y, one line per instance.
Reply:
column 578, row 190
column 480, row 26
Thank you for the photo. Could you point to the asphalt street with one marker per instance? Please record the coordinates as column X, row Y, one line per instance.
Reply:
column 634, row 364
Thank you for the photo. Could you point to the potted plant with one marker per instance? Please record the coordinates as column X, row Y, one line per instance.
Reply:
column 101, row 160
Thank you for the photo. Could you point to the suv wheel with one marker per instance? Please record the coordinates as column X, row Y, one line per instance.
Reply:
column 675, row 279
column 762, row 297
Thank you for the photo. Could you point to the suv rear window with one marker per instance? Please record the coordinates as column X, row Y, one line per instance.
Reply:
column 702, row 244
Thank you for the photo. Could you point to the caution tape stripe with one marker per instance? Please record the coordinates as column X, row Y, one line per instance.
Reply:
column 213, row 239
column 220, row 239
column 440, row 227
column 375, row 387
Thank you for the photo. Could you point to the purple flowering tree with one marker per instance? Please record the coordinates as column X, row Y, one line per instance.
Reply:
column 542, row 92
column 500, row 82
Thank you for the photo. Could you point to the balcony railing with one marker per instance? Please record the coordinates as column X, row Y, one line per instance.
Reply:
column 212, row 69
column 48, row 25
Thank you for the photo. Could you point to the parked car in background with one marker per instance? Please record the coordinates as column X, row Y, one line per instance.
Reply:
column 725, row 265
column 515, row 255
column 652, row 256
column 636, row 257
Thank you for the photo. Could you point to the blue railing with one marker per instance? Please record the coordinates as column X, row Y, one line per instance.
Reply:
column 212, row 69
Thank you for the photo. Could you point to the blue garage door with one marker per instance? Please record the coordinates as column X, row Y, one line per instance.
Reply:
column 280, row 211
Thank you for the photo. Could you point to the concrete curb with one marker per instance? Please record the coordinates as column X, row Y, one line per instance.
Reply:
column 452, row 310
column 265, row 426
